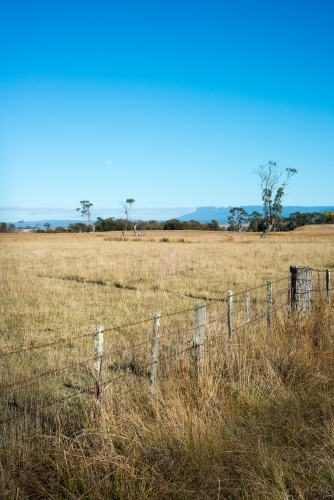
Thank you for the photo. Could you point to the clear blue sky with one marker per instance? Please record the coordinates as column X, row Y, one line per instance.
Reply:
column 171, row 103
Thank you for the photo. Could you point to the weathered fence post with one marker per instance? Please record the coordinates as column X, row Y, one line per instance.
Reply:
column 199, row 336
column 248, row 311
column 301, row 288
column 154, row 352
column 269, row 302
column 229, row 313
column 98, row 353
column 328, row 284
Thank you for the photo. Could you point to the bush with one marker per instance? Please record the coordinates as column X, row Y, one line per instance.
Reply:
column 78, row 227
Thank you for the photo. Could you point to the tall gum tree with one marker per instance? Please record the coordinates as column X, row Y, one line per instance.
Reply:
column 272, row 192
column 127, row 205
column 239, row 214
column 86, row 211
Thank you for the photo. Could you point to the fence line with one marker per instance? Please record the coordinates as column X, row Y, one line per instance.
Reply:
column 91, row 389
column 99, row 387
column 104, row 355
column 108, row 354
column 120, row 327
column 191, row 348
column 216, row 319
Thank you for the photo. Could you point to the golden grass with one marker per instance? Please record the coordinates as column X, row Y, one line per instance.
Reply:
column 256, row 423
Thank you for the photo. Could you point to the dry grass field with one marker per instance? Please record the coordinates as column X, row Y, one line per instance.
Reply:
column 255, row 422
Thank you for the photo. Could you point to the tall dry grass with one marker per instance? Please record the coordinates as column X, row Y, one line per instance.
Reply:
column 255, row 422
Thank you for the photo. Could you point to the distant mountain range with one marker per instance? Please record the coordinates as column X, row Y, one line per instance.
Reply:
column 53, row 223
column 201, row 214
column 206, row 214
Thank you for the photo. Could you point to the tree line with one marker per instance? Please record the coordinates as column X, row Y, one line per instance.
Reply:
column 272, row 193
column 240, row 220
column 111, row 224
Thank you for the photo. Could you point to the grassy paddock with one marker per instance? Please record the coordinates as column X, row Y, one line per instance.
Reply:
column 256, row 422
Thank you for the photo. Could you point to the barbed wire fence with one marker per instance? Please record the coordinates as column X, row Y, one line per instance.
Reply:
column 211, row 322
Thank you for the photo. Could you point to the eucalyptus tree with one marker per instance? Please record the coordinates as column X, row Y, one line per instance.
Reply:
column 238, row 216
column 86, row 211
column 127, row 205
column 273, row 192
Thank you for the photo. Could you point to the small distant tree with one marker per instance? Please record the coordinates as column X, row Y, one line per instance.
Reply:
column 213, row 225
column 254, row 220
column 3, row 227
column 272, row 192
column 172, row 224
column 86, row 211
column 297, row 219
column 328, row 217
column 78, row 227
column 238, row 216
column 21, row 222
column 127, row 205
column 11, row 227
column 47, row 226
column 232, row 226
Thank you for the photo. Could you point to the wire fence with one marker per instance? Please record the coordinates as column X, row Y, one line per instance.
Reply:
column 91, row 389
column 244, row 309
column 128, row 325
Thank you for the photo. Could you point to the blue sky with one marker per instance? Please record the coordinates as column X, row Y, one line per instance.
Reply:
column 171, row 103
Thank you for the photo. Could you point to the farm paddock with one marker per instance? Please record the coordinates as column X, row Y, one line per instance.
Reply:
column 257, row 422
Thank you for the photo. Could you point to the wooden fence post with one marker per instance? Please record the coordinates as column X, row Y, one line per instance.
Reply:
column 328, row 285
column 301, row 288
column 269, row 303
column 229, row 313
column 154, row 352
column 98, row 353
column 199, row 336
